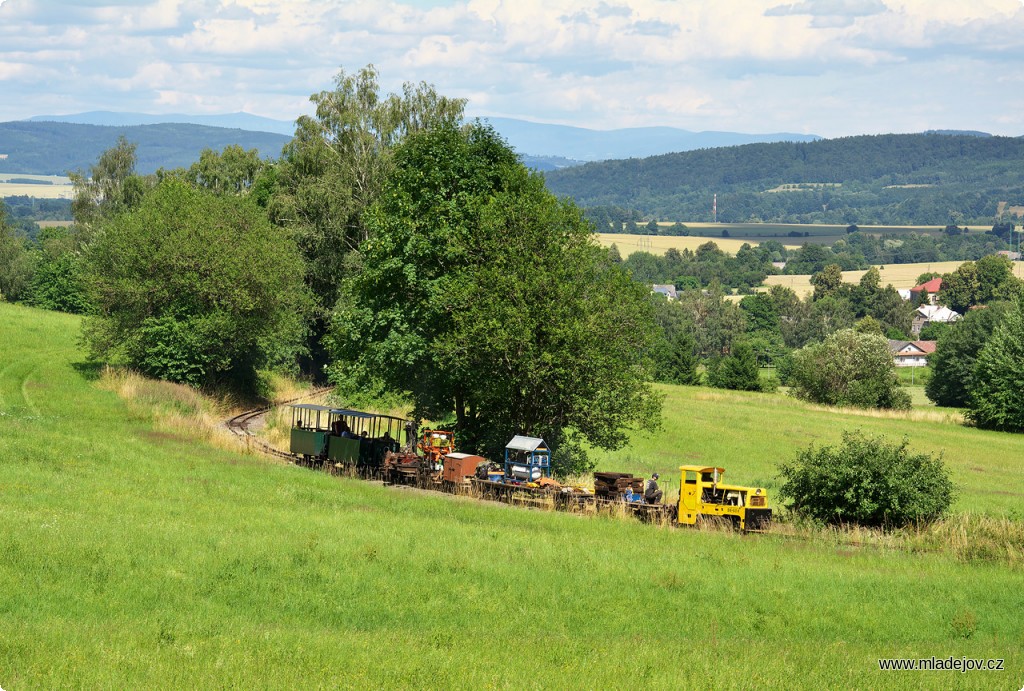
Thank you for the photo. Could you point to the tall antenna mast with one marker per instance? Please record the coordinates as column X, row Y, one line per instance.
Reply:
column 714, row 209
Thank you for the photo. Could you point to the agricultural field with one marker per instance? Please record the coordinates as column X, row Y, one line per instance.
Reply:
column 141, row 550
column 659, row 244
column 45, row 187
column 897, row 275
column 753, row 233
column 780, row 231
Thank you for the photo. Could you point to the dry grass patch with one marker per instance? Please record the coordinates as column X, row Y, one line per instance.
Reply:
column 179, row 412
column 967, row 537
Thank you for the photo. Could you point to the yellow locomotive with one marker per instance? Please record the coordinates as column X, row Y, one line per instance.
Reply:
column 702, row 495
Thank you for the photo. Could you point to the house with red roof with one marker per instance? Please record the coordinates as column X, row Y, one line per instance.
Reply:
column 933, row 287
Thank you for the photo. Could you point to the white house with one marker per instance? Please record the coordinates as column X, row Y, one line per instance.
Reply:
column 926, row 314
column 911, row 353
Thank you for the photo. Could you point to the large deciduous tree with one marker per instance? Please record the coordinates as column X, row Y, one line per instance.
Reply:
column 230, row 171
column 961, row 288
column 196, row 288
column 110, row 188
column 483, row 294
column 333, row 168
column 827, row 281
column 956, row 354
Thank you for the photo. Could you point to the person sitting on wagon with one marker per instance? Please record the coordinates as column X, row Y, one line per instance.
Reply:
column 652, row 493
column 340, row 429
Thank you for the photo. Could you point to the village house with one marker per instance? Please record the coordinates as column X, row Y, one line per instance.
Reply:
column 668, row 290
column 933, row 287
column 928, row 314
column 911, row 353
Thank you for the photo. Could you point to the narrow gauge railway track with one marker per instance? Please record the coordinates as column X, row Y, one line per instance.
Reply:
column 239, row 424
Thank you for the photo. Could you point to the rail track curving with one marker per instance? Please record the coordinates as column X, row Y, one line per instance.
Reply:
column 239, row 424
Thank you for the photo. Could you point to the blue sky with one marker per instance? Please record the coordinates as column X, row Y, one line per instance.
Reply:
column 829, row 67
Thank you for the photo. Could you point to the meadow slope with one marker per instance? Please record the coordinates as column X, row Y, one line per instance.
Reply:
column 134, row 556
column 749, row 434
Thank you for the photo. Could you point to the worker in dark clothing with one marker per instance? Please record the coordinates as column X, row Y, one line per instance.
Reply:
column 652, row 493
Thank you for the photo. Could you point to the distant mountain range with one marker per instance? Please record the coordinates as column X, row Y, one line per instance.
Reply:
column 890, row 179
column 234, row 121
column 55, row 148
column 580, row 144
column 543, row 146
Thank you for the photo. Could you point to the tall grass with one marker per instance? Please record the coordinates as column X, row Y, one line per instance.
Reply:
column 966, row 537
column 175, row 409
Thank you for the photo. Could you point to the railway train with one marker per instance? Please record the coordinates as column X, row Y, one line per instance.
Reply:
column 389, row 448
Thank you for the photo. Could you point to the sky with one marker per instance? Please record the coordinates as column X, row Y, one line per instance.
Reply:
column 827, row 67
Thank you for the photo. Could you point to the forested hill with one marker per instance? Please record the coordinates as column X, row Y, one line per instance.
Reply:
column 53, row 148
column 889, row 179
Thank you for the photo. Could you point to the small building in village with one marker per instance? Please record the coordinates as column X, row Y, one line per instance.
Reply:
column 928, row 314
column 911, row 353
column 668, row 290
column 933, row 287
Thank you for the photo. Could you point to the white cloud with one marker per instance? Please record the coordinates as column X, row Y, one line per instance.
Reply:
column 826, row 66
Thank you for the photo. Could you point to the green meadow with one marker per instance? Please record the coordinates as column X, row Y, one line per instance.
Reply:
column 748, row 434
column 137, row 554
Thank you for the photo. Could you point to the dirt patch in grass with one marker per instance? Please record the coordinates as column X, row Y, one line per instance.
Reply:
column 160, row 436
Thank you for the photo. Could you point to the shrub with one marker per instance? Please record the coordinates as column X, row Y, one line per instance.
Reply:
column 738, row 370
column 16, row 261
column 850, row 369
column 867, row 481
column 59, row 282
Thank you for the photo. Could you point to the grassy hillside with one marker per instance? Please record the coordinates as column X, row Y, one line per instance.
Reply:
column 135, row 556
column 749, row 434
